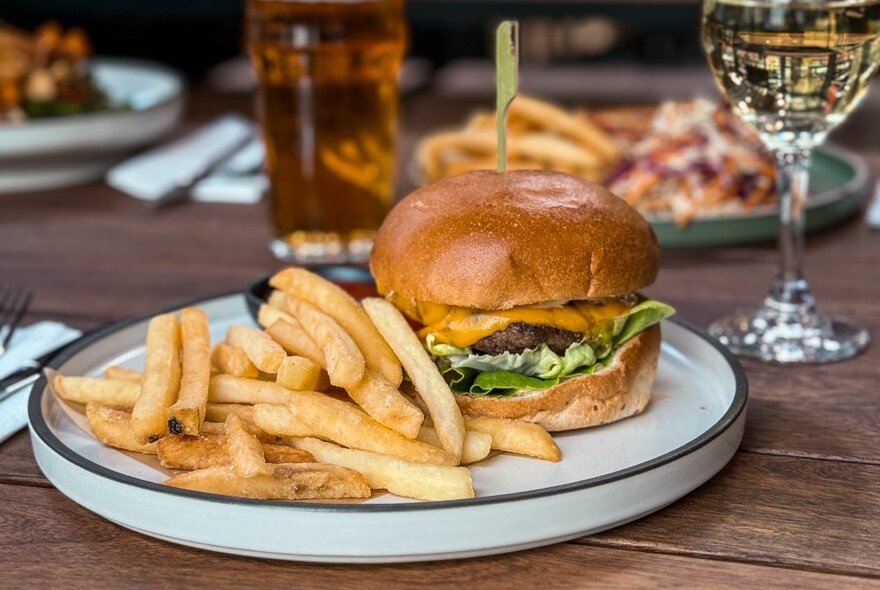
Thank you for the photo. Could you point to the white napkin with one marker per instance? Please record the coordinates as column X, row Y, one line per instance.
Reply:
column 872, row 216
column 230, row 189
column 150, row 175
column 28, row 343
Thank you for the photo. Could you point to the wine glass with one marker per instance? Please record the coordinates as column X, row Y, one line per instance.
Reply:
column 794, row 70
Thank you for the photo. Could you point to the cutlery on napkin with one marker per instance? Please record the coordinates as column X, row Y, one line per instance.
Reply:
column 218, row 162
column 28, row 343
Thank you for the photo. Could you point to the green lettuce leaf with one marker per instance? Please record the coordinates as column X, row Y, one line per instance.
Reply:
column 439, row 350
column 509, row 374
column 639, row 318
column 540, row 362
column 508, row 384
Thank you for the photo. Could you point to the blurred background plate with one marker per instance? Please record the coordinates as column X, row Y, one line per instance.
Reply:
column 838, row 179
column 59, row 151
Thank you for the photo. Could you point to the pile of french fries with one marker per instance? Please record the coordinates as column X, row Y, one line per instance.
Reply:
column 540, row 136
column 308, row 407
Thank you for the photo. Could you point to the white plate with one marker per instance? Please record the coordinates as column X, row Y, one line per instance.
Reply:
column 59, row 151
column 608, row 475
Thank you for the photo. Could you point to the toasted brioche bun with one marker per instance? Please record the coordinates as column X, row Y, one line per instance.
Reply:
column 620, row 390
column 493, row 240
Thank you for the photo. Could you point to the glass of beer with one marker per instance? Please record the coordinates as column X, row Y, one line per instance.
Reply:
column 327, row 103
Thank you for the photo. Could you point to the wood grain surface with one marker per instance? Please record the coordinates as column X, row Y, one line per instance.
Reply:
column 17, row 464
column 799, row 506
column 92, row 552
column 816, row 514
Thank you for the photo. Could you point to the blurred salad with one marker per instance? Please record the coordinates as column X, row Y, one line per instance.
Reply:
column 46, row 74
column 696, row 159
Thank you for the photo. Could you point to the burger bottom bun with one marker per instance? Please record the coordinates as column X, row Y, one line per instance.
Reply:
column 620, row 390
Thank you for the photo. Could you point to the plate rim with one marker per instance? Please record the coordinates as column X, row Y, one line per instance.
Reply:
column 40, row 428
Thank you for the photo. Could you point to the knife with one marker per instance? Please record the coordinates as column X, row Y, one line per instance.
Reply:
column 27, row 375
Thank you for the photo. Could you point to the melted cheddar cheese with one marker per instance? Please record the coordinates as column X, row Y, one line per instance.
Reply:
column 462, row 326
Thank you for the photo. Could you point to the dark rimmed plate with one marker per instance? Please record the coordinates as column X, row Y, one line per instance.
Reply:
column 838, row 179
column 608, row 476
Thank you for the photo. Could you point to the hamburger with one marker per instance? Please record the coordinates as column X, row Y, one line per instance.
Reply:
column 524, row 289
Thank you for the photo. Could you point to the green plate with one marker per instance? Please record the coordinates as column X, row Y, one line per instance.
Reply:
column 838, row 179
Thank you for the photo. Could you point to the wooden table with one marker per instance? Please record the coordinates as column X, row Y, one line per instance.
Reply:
column 798, row 506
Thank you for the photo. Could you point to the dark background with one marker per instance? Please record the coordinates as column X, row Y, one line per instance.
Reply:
column 194, row 35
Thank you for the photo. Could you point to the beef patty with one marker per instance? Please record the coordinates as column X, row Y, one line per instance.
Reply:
column 519, row 336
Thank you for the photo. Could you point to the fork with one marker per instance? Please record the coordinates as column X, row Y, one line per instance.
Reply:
column 14, row 301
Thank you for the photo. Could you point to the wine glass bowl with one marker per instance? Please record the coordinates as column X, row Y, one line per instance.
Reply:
column 794, row 70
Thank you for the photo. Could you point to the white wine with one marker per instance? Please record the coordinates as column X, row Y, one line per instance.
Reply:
column 793, row 70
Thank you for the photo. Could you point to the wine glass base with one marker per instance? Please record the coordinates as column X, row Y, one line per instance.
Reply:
column 790, row 334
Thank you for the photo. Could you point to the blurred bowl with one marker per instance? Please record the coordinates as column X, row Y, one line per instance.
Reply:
column 60, row 151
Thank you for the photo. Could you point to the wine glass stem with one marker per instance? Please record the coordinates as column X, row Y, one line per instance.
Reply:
column 791, row 290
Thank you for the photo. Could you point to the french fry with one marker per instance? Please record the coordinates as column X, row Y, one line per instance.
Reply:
column 279, row 420
column 542, row 146
column 245, row 451
column 286, row 454
column 182, row 451
column 274, row 310
column 517, row 436
column 265, row 353
column 346, row 424
column 238, row 390
column 299, row 373
column 213, row 428
column 288, row 332
column 472, row 141
column 187, row 413
column 286, row 481
column 278, row 300
column 112, row 427
column 556, row 120
column 342, row 307
column 423, row 373
column 219, row 429
column 386, row 405
column 161, row 381
column 343, row 359
column 123, row 374
column 217, row 412
column 81, row 390
column 404, row 478
column 233, row 361
column 477, row 445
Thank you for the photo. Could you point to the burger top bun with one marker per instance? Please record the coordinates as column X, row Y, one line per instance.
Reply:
column 492, row 240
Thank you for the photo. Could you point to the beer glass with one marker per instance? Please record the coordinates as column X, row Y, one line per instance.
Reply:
column 327, row 103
